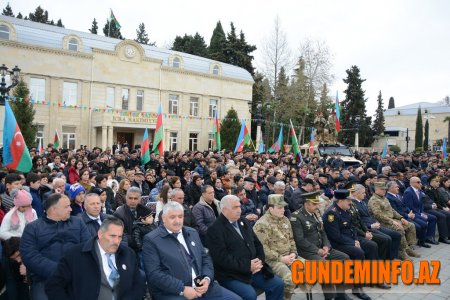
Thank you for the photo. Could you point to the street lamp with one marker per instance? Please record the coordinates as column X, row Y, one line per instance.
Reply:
column 14, row 75
column 357, row 119
column 258, row 124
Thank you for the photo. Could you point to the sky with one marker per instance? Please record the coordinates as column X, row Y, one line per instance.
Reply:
column 401, row 47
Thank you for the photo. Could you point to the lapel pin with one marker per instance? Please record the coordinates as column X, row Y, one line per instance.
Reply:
column 242, row 223
column 124, row 267
column 193, row 244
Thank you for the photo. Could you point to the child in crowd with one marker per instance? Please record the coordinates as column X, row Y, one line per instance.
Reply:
column 143, row 225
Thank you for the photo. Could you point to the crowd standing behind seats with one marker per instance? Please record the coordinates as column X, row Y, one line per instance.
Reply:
column 92, row 224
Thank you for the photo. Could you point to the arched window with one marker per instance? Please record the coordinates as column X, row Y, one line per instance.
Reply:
column 73, row 44
column 216, row 70
column 4, row 32
column 176, row 62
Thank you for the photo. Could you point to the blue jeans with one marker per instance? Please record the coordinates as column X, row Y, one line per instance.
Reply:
column 273, row 287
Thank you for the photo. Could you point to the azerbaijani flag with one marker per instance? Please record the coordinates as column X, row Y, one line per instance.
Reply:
column 444, row 149
column 243, row 139
column 261, row 146
column 56, row 140
column 385, row 150
column 338, row 114
column 311, row 142
column 158, row 147
column 15, row 152
column 40, row 147
column 113, row 19
column 217, row 145
column 295, row 147
column 145, row 150
column 277, row 146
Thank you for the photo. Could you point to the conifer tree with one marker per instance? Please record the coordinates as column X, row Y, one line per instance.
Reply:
column 24, row 112
column 194, row 45
column 419, row 129
column 391, row 103
column 426, row 141
column 217, row 44
column 229, row 129
column 378, row 124
column 7, row 11
column 94, row 27
column 19, row 16
column 142, row 36
column 110, row 30
column 325, row 101
column 59, row 23
column 40, row 15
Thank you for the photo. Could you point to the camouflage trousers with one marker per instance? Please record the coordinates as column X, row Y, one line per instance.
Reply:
column 284, row 272
column 408, row 233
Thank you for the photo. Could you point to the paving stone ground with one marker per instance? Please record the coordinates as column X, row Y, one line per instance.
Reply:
column 439, row 252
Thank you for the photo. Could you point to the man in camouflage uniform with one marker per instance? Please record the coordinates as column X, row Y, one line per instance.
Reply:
column 382, row 210
column 312, row 242
column 274, row 231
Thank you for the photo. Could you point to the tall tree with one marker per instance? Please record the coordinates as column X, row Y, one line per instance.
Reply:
column 142, row 36
column 94, row 27
column 378, row 124
column 276, row 54
column 261, row 95
column 229, row 129
column 24, row 111
column 19, row 16
column 111, row 30
column 325, row 101
column 59, row 23
column 217, row 44
column 391, row 103
column 419, row 129
column 446, row 100
column 7, row 11
column 353, row 111
column 426, row 140
column 237, row 51
column 40, row 15
column 194, row 45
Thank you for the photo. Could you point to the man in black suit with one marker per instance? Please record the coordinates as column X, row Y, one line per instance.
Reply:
column 101, row 268
column 92, row 216
column 238, row 255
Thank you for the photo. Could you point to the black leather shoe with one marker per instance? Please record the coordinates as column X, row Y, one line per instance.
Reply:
column 432, row 241
column 423, row 244
column 445, row 241
column 342, row 296
column 361, row 295
column 383, row 286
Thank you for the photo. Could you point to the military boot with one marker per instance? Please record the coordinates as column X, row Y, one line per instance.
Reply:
column 288, row 296
column 403, row 256
column 412, row 253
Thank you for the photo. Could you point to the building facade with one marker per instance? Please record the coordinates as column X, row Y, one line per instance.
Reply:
column 98, row 91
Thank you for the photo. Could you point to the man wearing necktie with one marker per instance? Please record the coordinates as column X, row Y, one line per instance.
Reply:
column 92, row 216
column 176, row 263
column 127, row 213
column 102, row 268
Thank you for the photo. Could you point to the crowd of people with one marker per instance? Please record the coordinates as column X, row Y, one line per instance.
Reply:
column 98, row 224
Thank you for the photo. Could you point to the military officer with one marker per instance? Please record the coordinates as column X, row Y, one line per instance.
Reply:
column 382, row 210
column 312, row 242
column 274, row 231
column 337, row 222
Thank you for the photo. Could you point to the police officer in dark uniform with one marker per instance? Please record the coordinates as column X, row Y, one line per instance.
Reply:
column 337, row 222
column 312, row 242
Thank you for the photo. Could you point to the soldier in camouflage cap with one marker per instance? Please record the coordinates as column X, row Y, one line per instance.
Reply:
column 275, row 233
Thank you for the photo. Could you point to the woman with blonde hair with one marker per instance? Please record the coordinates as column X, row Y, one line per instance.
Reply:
column 163, row 198
column 121, row 194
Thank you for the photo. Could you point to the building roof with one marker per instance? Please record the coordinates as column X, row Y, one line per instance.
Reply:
column 45, row 35
column 411, row 109
column 395, row 128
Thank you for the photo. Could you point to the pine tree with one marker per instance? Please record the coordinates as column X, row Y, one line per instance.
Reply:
column 24, row 112
column 94, row 27
column 217, row 44
column 231, row 53
column 378, row 124
column 110, row 30
column 245, row 57
column 229, row 129
column 261, row 95
column 142, row 35
column 59, row 23
column 426, row 141
column 19, row 16
column 419, row 129
column 391, row 103
column 353, row 111
column 325, row 102
column 7, row 11
column 194, row 45
column 39, row 15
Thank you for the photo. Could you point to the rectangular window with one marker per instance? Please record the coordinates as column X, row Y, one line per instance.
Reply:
column 173, row 141
column 210, row 141
column 68, row 137
column 40, row 136
column 139, row 100
column 70, row 91
column 125, row 98
column 213, row 107
column 110, row 91
column 193, row 107
column 173, row 104
column 193, row 141
column 37, row 89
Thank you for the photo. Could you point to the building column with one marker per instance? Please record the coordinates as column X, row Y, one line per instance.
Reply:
column 110, row 136
column 104, row 137
column 93, row 137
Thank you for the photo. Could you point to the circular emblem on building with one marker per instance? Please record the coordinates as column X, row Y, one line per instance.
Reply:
column 130, row 52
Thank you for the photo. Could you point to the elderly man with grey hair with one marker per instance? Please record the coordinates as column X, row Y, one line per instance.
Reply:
column 127, row 212
column 176, row 263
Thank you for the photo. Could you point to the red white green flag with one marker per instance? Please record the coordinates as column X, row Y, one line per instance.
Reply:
column 217, row 145
column 295, row 147
column 158, row 146
column 56, row 140
column 145, row 149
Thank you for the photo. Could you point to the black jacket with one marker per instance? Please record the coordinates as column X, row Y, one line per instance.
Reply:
column 139, row 231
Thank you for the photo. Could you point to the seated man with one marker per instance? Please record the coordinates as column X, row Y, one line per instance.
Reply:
column 175, row 261
column 238, row 255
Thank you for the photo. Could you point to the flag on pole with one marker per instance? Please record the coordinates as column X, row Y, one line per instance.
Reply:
column 15, row 152
column 145, row 149
column 56, row 140
column 444, row 149
column 338, row 114
column 113, row 19
column 311, row 142
column 158, row 146
column 243, row 138
column 295, row 147
column 385, row 150
column 217, row 145
column 278, row 144
column 40, row 147
column 261, row 146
